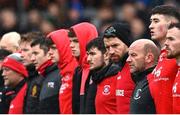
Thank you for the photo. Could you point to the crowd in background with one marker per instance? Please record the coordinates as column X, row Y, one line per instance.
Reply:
column 48, row 15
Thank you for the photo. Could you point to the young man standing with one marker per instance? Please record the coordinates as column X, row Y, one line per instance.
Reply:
column 173, row 51
column 61, row 53
column 49, row 93
column 79, row 37
column 164, row 74
column 103, row 75
column 143, row 56
column 34, row 81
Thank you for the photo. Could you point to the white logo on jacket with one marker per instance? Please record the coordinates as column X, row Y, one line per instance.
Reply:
column 11, row 106
column 137, row 94
column 106, row 90
column 119, row 92
column 51, row 84
column 119, row 77
column 175, row 87
column 64, row 86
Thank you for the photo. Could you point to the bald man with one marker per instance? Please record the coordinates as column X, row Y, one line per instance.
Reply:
column 143, row 56
column 10, row 41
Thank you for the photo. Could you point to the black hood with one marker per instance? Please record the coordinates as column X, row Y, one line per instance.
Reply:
column 108, row 71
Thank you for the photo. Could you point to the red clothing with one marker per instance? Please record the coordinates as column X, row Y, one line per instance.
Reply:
column 17, row 104
column 162, row 79
column 85, row 32
column 67, row 64
column 125, row 87
column 176, row 93
column 105, row 101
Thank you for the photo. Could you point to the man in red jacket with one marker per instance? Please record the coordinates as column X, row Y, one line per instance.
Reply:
column 117, row 39
column 79, row 35
column 14, row 74
column 164, row 73
column 61, row 53
column 173, row 51
column 103, row 75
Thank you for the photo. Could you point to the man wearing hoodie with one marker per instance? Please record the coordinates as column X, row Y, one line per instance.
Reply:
column 79, row 37
column 49, row 92
column 117, row 39
column 61, row 53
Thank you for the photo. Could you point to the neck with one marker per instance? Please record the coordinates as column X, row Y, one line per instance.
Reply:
column 178, row 60
column 162, row 43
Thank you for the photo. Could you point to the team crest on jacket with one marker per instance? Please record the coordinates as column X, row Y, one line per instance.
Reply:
column 106, row 90
column 137, row 94
column 34, row 91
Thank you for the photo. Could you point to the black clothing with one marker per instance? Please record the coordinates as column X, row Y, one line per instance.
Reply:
column 76, row 90
column 109, row 71
column 141, row 100
column 86, row 103
column 2, row 88
column 9, row 94
column 49, row 94
column 34, row 82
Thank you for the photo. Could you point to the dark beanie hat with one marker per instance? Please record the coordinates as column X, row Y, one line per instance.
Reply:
column 120, row 30
column 14, row 62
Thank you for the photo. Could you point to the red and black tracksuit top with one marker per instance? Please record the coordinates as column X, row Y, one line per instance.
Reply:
column 141, row 99
column 48, row 101
column 16, row 97
column 105, row 100
column 85, row 32
column 124, row 88
column 67, row 64
column 176, row 93
column 163, row 77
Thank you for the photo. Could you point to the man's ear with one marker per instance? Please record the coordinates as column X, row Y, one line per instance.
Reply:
column 149, row 58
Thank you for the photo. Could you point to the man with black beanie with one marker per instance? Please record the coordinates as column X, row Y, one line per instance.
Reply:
column 117, row 39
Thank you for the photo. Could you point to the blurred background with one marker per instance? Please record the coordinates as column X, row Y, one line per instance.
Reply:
column 49, row 15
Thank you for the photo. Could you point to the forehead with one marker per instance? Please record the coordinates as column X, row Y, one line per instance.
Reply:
column 113, row 40
column 36, row 48
column 158, row 16
column 136, row 47
column 73, row 38
column 94, row 49
column 25, row 43
column 173, row 32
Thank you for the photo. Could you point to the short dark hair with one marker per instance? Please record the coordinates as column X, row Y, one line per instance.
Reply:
column 71, row 33
column 49, row 42
column 96, row 43
column 42, row 42
column 167, row 10
column 174, row 25
column 4, row 53
column 30, row 36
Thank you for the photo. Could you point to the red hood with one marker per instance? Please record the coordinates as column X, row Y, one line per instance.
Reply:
column 85, row 32
column 61, row 40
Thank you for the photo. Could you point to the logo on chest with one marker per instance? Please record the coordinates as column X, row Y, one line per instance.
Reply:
column 50, row 84
column 106, row 90
column 137, row 94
